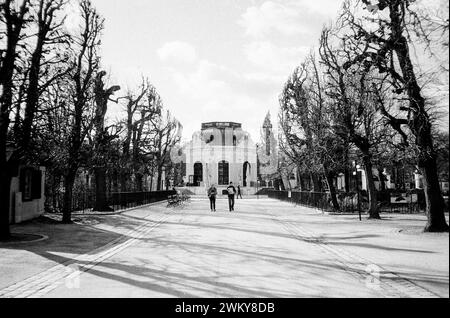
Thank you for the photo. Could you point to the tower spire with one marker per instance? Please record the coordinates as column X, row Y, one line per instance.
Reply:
column 267, row 122
column 267, row 126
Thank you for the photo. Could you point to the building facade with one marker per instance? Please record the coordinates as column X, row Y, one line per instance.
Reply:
column 222, row 152
column 27, row 197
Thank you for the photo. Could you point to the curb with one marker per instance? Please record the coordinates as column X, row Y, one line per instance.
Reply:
column 40, row 238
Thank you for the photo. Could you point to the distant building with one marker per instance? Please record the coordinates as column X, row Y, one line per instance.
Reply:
column 222, row 152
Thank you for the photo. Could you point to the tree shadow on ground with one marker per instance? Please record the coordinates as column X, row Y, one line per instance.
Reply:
column 209, row 285
column 213, row 284
column 92, row 237
column 305, row 238
column 378, row 247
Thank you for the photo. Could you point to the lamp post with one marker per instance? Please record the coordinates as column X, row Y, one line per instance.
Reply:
column 355, row 173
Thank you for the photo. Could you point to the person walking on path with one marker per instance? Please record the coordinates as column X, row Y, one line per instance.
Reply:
column 239, row 193
column 212, row 194
column 231, row 193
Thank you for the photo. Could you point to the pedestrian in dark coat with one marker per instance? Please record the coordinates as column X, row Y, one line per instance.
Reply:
column 231, row 193
column 239, row 193
column 212, row 194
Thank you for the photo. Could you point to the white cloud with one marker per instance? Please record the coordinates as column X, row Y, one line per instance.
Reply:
column 222, row 94
column 177, row 51
column 281, row 60
column 329, row 8
column 287, row 18
column 271, row 16
column 281, row 33
column 203, row 82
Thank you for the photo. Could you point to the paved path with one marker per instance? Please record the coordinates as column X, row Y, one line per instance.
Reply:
column 265, row 249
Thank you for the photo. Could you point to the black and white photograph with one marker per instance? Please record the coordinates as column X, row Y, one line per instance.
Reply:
column 224, row 154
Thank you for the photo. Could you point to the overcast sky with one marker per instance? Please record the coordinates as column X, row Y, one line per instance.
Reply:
column 211, row 60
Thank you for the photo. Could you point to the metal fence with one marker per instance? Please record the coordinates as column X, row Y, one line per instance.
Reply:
column 350, row 202
column 84, row 201
column 316, row 200
column 120, row 201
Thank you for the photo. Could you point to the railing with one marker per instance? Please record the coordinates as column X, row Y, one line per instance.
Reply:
column 348, row 202
column 316, row 200
column 120, row 201
column 84, row 202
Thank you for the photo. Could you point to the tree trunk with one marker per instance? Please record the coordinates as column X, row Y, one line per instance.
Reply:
column 373, row 202
column 433, row 197
column 286, row 181
column 5, row 179
column 300, row 181
column 101, row 203
column 124, row 181
column 315, row 182
column 5, row 184
column 5, row 168
column 151, row 182
column 33, row 90
column 330, row 181
column 347, row 180
column 56, row 182
column 115, row 182
column 347, row 175
column 138, row 179
column 159, row 185
column 5, row 200
column 381, row 178
column 69, row 181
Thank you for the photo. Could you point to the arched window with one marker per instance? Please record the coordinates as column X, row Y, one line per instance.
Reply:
column 198, row 173
column 234, row 141
column 224, row 173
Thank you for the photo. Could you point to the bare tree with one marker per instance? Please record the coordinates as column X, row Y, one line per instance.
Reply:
column 387, row 48
column 296, row 141
column 86, row 62
column 49, row 35
column 303, row 106
column 144, row 136
column 53, row 131
column 354, row 106
column 149, row 138
column 134, row 103
column 167, row 134
column 13, row 15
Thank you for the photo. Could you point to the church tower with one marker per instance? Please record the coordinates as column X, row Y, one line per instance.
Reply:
column 267, row 128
